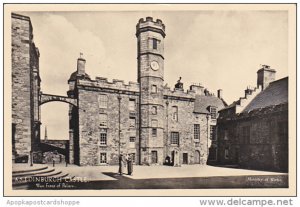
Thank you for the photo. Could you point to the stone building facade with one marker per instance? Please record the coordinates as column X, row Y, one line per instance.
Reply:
column 154, row 123
column 25, row 88
column 147, row 119
column 253, row 131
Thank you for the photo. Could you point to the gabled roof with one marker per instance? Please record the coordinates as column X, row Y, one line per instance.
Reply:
column 276, row 93
column 202, row 103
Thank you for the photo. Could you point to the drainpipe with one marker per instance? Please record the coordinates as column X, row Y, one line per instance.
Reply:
column 119, row 100
column 167, row 129
column 207, row 118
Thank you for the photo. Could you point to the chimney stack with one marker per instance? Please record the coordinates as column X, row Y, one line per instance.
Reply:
column 265, row 76
column 80, row 66
column 220, row 93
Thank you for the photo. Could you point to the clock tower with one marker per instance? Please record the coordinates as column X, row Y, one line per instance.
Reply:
column 150, row 56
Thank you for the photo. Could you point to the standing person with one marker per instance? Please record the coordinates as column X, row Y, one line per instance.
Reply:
column 129, row 165
column 125, row 163
column 121, row 164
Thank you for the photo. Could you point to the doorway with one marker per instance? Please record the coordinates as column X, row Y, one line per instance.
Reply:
column 185, row 158
column 154, row 157
column 197, row 157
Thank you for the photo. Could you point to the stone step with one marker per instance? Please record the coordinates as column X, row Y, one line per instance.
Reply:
column 33, row 173
column 23, row 183
column 53, row 173
column 29, row 170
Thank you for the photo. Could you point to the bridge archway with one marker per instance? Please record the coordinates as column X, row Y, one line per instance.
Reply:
column 56, row 116
column 45, row 98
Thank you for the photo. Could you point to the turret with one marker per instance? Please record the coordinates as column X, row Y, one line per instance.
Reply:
column 150, row 37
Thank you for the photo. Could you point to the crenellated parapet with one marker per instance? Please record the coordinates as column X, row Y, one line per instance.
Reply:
column 102, row 83
column 178, row 94
column 190, row 94
column 149, row 24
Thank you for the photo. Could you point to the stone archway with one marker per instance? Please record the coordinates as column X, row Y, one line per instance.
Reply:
column 45, row 98
column 60, row 147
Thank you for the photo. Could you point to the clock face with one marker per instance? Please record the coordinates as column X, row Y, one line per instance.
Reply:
column 154, row 65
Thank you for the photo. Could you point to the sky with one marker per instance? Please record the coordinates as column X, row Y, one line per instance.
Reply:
column 219, row 49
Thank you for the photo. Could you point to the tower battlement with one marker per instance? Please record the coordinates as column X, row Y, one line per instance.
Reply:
column 115, row 84
column 145, row 25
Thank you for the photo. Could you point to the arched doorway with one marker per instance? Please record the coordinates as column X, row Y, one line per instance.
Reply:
column 197, row 157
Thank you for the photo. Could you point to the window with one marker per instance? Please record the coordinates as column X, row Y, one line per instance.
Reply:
column 154, row 123
column 197, row 131
column 103, row 137
column 132, row 122
column 213, row 134
column 154, row 110
column 175, row 113
column 102, row 100
column 154, row 132
column 131, row 104
column 213, row 112
column 103, row 120
column 226, row 153
column 226, row 134
column 131, row 139
column 154, row 43
column 103, row 159
column 246, row 134
column 154, row 89
column 175, row 138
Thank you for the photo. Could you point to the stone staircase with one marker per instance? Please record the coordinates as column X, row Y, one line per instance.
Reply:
column 21, row 177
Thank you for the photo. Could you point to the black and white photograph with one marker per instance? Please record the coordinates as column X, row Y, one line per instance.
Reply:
column 148, row 99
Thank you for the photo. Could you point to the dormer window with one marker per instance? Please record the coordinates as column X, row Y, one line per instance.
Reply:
column 213, row 112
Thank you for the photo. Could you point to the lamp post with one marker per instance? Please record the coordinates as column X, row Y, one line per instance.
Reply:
column 31, row 158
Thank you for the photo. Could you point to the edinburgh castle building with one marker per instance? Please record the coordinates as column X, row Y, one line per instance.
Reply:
column 154, row 123
column 146, row 119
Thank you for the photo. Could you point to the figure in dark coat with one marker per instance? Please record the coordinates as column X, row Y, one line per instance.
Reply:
column 121, row 164
column 129, row 165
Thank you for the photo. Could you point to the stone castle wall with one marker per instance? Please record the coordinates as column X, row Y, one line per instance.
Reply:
column 267, row 148
column 89, row 124
column 25, row 78
column 185, row 127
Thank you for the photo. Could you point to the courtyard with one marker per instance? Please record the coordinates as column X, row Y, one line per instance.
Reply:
column 168, row 177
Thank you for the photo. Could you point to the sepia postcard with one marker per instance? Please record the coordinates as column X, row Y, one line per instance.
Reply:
column 150, row 100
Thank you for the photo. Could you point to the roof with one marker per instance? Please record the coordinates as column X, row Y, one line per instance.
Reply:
column 230, row 106
column 74, row 76
column 276, row 93
column 202, row 103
